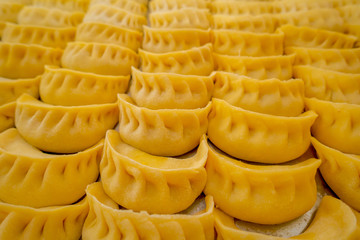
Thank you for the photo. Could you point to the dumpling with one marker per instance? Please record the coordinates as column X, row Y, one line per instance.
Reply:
column 46, row 36
column 106, row 33
column 162, row 40
column 61, row 86
column 106, row 220
column 329, row 85
column 61, row 129
column 265, row 23
column 241, row 43
column 339, row 221
column 270, row 96
column 182, row 18
column 170, row 90
column 279, row 67
column 258, row 137
column 261, row 194
column 299, row 5
column 343, row 60
column 67, row 5
column 164, row 132
column 99, row 58
column 327, row 18
column 36, row 179
column 313, row 37
column 49, row 17
column 168, row 5
column 10, row 11
column 341, row 172
column 115, row 16
column 60, row 222
column 143, row 182
column 350, row 13
column 7, row 115
column 19, row 60
column 131, row 6
column 338, row 124
column 240, row 7
column 194, row 61
column 11, row 89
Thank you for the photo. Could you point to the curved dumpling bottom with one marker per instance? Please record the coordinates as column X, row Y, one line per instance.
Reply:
column 261, row 194
column 164, row 132
column 58, row 222
column 36, row 179
column 143, row 182
column 341, row 172
column 333, row 220
column 105, row 219
column 258, row 137
column 11, row 89
column 62, row 129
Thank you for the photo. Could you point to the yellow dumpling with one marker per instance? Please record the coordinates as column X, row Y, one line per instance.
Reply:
column 166, row 5
column 67, row 5
column 11, row 89
column 169, row 185
column 131, row 6
column 7, row 115
column 61, row 86
column 240, row 7
column 164, row 132
column 62, row 129
column 105, row 219
column 10, row 11
column 258, row 137
column 36, row 179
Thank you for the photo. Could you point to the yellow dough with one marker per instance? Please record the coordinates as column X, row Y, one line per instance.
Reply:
column 11, row 89
column 106, row 220
column 341, row 172
column 194, row 61
column 166, row 5
column 143, row 182
column 258, row 137
column 62, row 129
column 19, row 60
column 131, row 6
column 165, row 132
column 61, row 86
column 258, row 193
column 170, row 90
column 350, row 13
column 46, row 36
column 57, row 222
column 325, row 18
column 279, row 67
column 333, row 220
column 329, row 85
column 9, row 11
column 238, row 43
column 67, row 5
column 7, row 115
column 337, row 125
column 115, row 16
column 240, row 7
column 100, row 58
column 162, row 40
column 343, row 60
column 36, row 179
column 182, row 18
column 270, row 96
column 315, row 38
column 49, row 17
column 106, row 33
column 265, row 23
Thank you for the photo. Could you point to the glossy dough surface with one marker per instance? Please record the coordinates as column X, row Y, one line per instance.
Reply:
column 11, row 89
column 106, row 220
column 61, row 86
column 270, row 96
column 36, row 179
column 170, row 90
column 143, row 182
column 165, row 132
column 338, row 124
column 100, row 58
column 261, row 194
column 258, row 137
column 62, row 129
